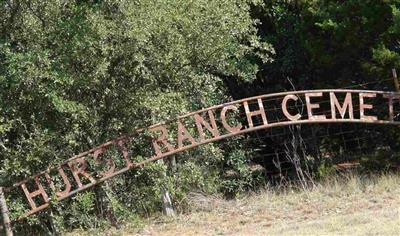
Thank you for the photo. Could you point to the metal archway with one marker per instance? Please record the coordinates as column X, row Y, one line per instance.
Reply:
column 207, row 126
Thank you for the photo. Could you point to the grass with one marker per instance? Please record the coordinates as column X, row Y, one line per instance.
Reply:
column 349, row 205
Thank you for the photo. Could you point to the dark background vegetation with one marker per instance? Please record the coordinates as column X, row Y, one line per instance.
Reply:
column 74, row 74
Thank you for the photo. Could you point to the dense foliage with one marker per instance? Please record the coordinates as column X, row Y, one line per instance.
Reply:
column 74, row 74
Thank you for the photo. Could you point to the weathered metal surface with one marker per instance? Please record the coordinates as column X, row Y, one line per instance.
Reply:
column 37, row 192
column 260, row 112
column 285, row 108
column 347, row 104
column 200, row 122
column 201, row 127
column 64, row 177
column 364, row 106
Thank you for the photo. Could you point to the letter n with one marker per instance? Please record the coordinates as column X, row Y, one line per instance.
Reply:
column 200, row 122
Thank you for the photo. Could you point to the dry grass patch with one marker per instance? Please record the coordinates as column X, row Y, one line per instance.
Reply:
column 348, row 206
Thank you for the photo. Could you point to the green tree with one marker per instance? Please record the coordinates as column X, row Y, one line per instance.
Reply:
column 74, row 74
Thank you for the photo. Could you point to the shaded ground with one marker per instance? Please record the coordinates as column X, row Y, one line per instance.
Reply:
column 353, row 207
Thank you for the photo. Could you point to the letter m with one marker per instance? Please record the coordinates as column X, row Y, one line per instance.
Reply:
column 347, row 104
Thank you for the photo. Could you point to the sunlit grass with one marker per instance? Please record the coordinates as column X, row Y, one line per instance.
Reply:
column 346, row 205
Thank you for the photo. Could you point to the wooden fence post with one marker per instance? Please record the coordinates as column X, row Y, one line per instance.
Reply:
column 167, row 203
column 168, row 209
column 4, row 214
column 395, row 80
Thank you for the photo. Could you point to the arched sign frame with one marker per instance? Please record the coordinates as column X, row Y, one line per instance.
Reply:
column 209, row 129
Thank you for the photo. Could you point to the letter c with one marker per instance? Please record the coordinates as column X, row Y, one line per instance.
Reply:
column 284, row 107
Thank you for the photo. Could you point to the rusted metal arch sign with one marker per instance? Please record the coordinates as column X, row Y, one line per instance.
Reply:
column 205, row 126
